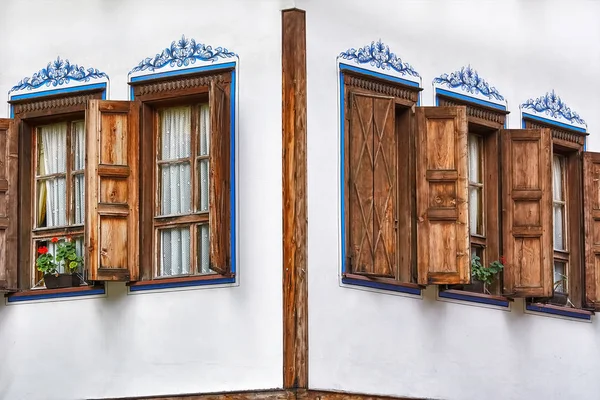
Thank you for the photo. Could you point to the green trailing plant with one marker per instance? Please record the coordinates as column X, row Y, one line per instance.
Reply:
column 66, row 256
column 488, row 274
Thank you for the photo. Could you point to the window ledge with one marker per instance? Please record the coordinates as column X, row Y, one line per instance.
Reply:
column 45, row 294
column 481, row 298
column 182, row 282
column 559, row 311
column 381, row 283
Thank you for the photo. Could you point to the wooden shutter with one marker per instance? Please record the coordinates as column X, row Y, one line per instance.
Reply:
column 112, row 190
column 591, row 212
column 220, row 185
column 527, row 212
column 8, row 205
column 372, row 185
column 442, row 194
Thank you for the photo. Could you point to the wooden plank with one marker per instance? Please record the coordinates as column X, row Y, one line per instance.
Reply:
column 8, row 204
column 295, row 216
column 591, row 217
column 219, row 181
column 527, row 212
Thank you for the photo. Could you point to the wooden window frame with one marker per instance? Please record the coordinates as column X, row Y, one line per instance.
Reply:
column 405, row 98
column 28, row 115
column 151, row 96
column 569, row 145
column 485, row 122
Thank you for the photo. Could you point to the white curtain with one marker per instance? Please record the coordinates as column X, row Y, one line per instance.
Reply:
column 78, row 130
column 175, row 188
column 559, row 206
column 53, row 156
column 475, row 203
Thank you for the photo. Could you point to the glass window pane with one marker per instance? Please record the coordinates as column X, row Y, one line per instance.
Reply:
column 560, row 277
column 475, row 211
column 204, row 130
column 175, row 130
column 78, row 130
column 559, row 228
column 557, row 178
column 79, row 198
column 203, row 250
column 52, row 149
column 174, row 251
column 474, row 159
column 51, row 202
column 175, row 189
column 203, row 176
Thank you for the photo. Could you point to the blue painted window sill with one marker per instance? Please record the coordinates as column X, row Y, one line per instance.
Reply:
column 179, row 283
column 381, row 283
column 480, row 298
column 44, row 294
column 561, row 311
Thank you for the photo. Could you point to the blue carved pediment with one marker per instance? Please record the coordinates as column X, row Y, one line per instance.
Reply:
column 468, row 80
column 551, row 106
column 58, row 73
column 183, row 53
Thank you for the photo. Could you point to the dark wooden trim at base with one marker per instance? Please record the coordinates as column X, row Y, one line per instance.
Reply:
column 296, row 394
column 295, row 214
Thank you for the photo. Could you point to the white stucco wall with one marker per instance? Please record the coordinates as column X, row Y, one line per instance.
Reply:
column 199, row 340
column 371, row 342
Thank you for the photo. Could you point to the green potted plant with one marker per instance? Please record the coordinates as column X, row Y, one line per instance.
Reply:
column 66, row 256
column 486, row 275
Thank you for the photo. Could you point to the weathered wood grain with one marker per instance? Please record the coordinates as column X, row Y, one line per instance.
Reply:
column 527, row 212
column 443, row 252
column 8, row 205
column 295, row 217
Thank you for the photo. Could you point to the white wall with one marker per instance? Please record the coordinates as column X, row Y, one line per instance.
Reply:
column 362, row 341
column 200, row 340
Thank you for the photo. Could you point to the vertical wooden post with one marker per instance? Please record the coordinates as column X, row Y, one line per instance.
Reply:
column 295, row 219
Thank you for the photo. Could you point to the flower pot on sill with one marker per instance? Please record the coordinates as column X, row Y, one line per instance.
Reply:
column 475, row 286
column 559, row 299
column 57, row 281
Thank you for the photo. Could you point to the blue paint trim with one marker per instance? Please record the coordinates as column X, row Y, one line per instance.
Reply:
column 384, row 286
column 551, row 122
column 42, row 296
column 182, row 72
column 345, row 67
column 468, row 99
column 131, row 93
column 59, row 91
column 564, row 313
column 190, row 283
column 342, row 187
column 473, row 299
column 232, row 97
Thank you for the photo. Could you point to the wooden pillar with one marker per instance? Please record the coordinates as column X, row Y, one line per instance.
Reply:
column 295, row 218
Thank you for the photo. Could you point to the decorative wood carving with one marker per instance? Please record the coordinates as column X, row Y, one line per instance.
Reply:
column 474, row 111
column 558, row 133
column 179, row 84
column 55, row 103
column 387, row 88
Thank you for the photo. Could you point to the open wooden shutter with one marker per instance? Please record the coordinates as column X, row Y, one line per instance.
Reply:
column 220, row 183
column 112, row 191
column 442, row 194
column 8, row 205
column 591, row 212
column 372, row 186
column 527, row 212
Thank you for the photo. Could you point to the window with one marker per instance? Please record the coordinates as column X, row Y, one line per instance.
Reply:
column 386, row 210
column 182, row 178
column 58, row 203
column 559, row 203
column 484, row 124
column 185, row 179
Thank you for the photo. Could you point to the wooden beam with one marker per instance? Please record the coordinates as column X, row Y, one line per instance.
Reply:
column 295, row 219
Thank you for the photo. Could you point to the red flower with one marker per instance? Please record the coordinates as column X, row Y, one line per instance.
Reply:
column 43, row 250
column 54, row 240
column 502, row 260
